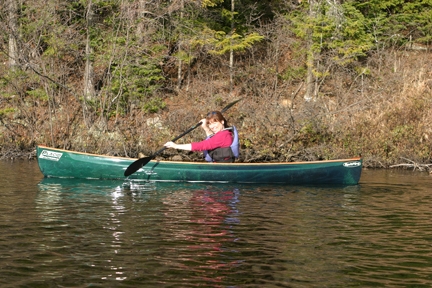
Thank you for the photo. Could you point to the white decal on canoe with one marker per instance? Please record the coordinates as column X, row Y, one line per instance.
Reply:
column 50, row 155
column 150, row 172
column 146, row 171
column 352, row 164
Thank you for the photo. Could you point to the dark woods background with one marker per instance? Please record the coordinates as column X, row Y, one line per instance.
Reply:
column 319, row 79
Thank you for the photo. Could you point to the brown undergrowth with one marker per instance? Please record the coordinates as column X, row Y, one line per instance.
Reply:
column 385, row 116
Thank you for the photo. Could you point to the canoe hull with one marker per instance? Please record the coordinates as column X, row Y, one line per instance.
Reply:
column 69, row 164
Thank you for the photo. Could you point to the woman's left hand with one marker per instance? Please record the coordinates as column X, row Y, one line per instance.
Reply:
column 204, row 123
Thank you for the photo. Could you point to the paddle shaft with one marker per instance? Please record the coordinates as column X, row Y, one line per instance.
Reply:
column 175, row 139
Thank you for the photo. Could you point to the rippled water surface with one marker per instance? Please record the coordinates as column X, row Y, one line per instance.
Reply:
column 66, row 233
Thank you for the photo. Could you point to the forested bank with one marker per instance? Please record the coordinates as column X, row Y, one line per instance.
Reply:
column 318, row 79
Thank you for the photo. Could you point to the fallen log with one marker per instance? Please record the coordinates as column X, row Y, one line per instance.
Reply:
column 414, row 165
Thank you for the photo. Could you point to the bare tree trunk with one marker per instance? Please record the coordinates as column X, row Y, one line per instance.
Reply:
column 89, row 90
column 179, row 71
column 310, row 78
column 141, row 25
column 13, row 33
column 231, row 61
column 310, row 61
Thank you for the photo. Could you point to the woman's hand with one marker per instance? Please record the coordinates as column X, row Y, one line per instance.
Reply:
column 204, row 125
column 170, row 144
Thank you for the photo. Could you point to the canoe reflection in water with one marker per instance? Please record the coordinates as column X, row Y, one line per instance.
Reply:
column 204, row 222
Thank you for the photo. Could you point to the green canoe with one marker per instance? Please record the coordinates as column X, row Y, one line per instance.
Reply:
column 60, row 163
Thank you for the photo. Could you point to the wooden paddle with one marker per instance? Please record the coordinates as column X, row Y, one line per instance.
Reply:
column 138, row 164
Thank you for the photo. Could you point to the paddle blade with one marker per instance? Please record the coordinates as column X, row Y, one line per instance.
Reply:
column 230, row 105
column 138, row 164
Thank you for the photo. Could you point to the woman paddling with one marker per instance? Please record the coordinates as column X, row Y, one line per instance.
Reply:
column 221, row 144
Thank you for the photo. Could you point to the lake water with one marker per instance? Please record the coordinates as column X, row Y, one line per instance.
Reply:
column 64, row 233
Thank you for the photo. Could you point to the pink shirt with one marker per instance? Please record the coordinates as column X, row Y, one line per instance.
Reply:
column 221, row 139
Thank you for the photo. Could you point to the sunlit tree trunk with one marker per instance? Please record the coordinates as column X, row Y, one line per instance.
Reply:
column 310, row 61
column 89, row 88
column 231, row 61
column 12, row 6
column 141, row 25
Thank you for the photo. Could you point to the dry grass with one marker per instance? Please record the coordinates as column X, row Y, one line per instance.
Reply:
column 385, row 116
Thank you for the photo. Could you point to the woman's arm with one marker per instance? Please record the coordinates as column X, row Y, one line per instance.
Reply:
column 171, row 144
column 221, row 139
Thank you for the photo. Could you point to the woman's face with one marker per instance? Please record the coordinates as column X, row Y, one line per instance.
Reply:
column 216, row 126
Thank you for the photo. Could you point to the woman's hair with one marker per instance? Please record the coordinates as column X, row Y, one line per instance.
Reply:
column 216, row 116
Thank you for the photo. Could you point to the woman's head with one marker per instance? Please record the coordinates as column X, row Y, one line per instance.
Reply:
column 214, row 118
